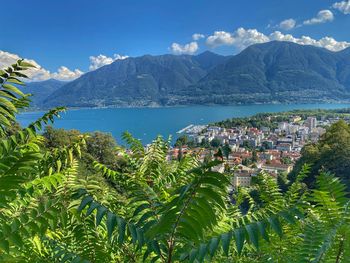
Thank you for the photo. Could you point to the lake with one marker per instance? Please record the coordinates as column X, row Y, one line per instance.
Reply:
column 147, row 123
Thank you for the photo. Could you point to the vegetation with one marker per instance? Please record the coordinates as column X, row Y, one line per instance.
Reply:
column 150, row 209
column 331, row 153
column 270, row 120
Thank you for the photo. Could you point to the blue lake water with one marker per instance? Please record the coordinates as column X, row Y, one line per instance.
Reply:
column 147, row 123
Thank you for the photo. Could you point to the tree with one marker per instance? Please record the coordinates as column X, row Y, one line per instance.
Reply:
column 254, row 156
column 215, row 142
column 226, row 150
column 286, row 160
column 102, row 146
column 154, row 210
column 182, row 140
column 331, row 153
column 56, row 138
column 219, row 155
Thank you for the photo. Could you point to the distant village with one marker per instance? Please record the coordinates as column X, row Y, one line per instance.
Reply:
column 250, row 151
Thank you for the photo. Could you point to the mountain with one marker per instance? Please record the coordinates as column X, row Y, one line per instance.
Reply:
column 284, row 71
column 41, row 90
column 139, row 81
column 269, row 72
column 208, row 60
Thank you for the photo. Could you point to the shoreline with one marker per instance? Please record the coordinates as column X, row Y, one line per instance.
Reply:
column 188, row 105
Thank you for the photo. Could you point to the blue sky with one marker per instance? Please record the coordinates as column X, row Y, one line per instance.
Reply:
column 67, row 33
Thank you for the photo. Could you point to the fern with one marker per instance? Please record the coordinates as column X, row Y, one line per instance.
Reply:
column 153, row 209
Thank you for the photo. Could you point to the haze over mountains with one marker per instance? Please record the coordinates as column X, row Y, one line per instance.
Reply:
column 262, row 73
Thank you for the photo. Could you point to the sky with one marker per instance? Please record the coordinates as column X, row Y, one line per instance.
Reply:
column 65, row 39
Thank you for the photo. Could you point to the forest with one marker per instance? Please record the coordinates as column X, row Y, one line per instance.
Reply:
column 67, row 196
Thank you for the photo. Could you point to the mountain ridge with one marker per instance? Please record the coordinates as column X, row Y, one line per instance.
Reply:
column 270, row 72
column 40, row 90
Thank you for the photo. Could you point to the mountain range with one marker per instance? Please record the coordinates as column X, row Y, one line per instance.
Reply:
column 262, row 73
column 41, row 90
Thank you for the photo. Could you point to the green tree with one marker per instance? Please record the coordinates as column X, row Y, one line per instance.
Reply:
column 331, row 153
column 254, row 156
column 56, row 138
column 102, row 146
column 226, row 150
column 215, row 142
column 154, row 210
column 182, row 140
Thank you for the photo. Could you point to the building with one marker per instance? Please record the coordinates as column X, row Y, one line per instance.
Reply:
column 282, row 126
column 294, row 119
column 241, row 180
column 219, row 168
column 284, row 147
column 277, row 168
column 242, row 177
column 311, row 123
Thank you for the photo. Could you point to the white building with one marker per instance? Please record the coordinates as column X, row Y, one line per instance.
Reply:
column 311, row 123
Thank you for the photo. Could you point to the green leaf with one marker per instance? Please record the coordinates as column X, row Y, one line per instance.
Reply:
column 155, row 247
column 213, row 245
column 16, row 239
column 121, row 229
column 92, row 207
column 193, row 255
column 4, row 244
column 262, row 229
column 276, row 225
column 25, row 64
column 239, row 238
column 86, row 200
column 133, row 233
column 210, row 194
column 15, row 80
column 7, row 104
column 140, row 208
column 13, row 89
column 253, row 234
column 140, row 237
column 288, row 217
column 111, row 223
column 202, row 252
column 101, row 211
column 225, row 241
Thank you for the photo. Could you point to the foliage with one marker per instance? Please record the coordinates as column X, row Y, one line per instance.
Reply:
column 215, row 142
column 270, row 120
column 151, row 209
column 331, row 153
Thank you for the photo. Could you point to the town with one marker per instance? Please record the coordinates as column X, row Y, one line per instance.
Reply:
column 248, row 151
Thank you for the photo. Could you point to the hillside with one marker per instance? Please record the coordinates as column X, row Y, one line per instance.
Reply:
column 262, row 73
column 41, row 90
column 280, row 71
column 139, row 81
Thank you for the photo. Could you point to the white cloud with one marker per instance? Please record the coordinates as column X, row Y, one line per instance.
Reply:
column 325, row 42
column 287, row 24
column 189, row 48
column 64, row 73
column 243, row 38
column 39, row 73
column 322, row 17
column 197, row 36
column 343, row 6
column 219, row 38
column 101, row 60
